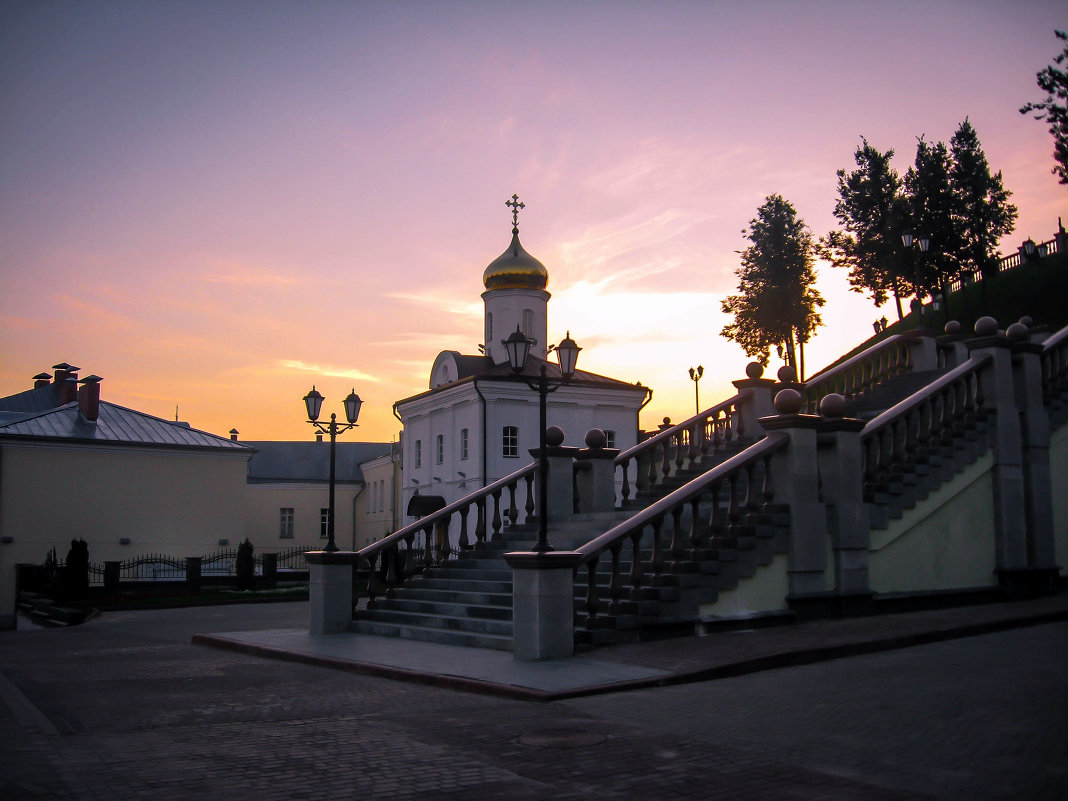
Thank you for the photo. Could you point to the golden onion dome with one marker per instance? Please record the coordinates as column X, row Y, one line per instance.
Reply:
column 515, row 269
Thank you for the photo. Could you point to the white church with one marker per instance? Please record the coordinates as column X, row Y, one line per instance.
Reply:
column 478, row 420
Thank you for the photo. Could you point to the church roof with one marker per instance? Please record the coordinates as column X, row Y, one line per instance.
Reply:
column 278, row 461
column 515, row 269
column 483, row 368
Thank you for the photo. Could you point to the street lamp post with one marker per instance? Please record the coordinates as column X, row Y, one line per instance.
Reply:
column 695, row 376
column 313, row 401
column 518, row 348
column 924, row 242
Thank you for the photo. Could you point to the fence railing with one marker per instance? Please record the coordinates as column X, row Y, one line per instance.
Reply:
column 163, row 567
column 1005, row 263
column 861, row 373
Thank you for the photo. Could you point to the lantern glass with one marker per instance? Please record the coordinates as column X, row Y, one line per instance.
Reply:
column 313, row 401
column 517, row 347
column 925, row 242
column 906, row 240
column 567, row 352
column 352, row 407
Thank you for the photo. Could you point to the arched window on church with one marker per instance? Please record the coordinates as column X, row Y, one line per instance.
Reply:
column 489, row 328
column 528, row 322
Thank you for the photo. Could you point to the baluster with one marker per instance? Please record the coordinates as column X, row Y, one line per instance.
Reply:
column 497, row 515
column 658, row 550
column 372, row 560
column 615, row 584
column 732, row 502
column 677, row 549
column 980, row 399
column 591, row 592
column 428, row 547
column 714, row 522
column 691, row 451
column 624, row 491
column 651, row 474
column 680, row 457
column 480, row 521
column 464, row 543
column 409, row 561
column 769, row 487
column 707, row 435
column 637, row 575
column 528, row 507
column 513, row 512
column 695, row 526
column 750, row 489
column 389, row 561
column 737, row 420
column 665, row 466
column 445, row 548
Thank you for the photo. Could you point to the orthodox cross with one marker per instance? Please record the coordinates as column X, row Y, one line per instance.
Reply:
column 515, row 206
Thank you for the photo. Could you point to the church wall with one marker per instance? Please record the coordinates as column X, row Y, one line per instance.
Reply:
column 1058, row 463
column 506, row 307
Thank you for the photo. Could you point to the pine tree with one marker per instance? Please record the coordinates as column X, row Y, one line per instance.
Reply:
column 931, row 205
column 982, row 212
column 873, row 213
column 777, row 300
column 1054, row 108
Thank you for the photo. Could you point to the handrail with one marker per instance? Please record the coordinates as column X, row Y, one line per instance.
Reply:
column 925, row 394
column 769, row 444
column 692, row 438
column 1055, row 339
column 445, row 512
column 674, row 505
column 858, row 374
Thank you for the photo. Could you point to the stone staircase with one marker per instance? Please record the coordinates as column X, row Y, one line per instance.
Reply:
column 468, row 600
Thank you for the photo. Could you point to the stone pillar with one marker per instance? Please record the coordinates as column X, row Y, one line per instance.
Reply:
column 841, row 464
column 923, row 352
column 998, row 384
column 561, row 483
column 795, row 476
column 596, row 477
column 952, row 345
column 757, row 402
column 1035, row 436
column 192, row 573
column 270, row 570
column 330, row 590
column 543, row 604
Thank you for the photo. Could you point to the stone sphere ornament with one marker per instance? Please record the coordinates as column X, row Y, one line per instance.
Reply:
column 1017, row 332
column 754, row 370
column 554, row 436
column 953, row 327
column 787, row 374
column 596, row 439
column 788, row 401
column 986, row 327
column 833, row 405
column 1026, row 320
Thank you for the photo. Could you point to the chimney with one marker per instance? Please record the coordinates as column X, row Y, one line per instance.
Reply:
column 233, row 434
column 42, row 380
column 89, row 398
column 66, row 388
column 318, row 437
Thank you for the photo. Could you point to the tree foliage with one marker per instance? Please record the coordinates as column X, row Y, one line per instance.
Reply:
column 983, row 213
column 777, row 300
column 873, row 213
column 931, row 207
column 1054, row 109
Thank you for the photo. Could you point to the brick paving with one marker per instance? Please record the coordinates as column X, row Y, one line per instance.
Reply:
column 125, row 707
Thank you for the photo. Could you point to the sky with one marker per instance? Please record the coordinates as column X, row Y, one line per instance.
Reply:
column 215, row 205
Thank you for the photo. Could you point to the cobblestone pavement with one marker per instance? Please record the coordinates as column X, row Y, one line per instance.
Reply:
column 124, row 707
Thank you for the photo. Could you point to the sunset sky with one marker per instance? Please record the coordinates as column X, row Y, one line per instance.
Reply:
column 215, row 205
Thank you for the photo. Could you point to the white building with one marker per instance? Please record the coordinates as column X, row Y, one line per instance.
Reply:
column 476, row 422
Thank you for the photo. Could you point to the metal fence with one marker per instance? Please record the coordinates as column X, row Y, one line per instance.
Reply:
column 161, row 567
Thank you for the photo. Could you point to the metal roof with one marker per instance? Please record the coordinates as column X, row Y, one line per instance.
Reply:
column 276, row 461
column 116, row 424
column 31, row 401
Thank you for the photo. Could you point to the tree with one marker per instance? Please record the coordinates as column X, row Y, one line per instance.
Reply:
column 931, row 205
column 1054, row 109
column 776, row 301
column 873, row 213
column 982, row 213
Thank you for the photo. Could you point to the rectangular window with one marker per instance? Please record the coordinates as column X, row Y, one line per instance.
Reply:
column 439, row 449
column 418, row 453
column 285, row 517
column 510, row 442
column 324, row 523
column 463, row 444
column 611, row 437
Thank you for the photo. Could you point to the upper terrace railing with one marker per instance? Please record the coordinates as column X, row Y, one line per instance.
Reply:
column 1055, row 365
column 708, row 486
column 855, row 376
column 398, row 569
column 686, row 443
column 927, row 419
column 1013, row 260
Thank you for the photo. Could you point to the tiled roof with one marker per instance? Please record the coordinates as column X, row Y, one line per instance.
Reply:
column 116, row 424
column 310, row 461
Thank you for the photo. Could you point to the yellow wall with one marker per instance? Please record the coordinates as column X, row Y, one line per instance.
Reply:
column 946, row 542
column 265, row 501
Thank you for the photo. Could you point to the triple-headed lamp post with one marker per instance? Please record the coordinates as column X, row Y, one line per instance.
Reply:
column 314, row 403
column 518, row 348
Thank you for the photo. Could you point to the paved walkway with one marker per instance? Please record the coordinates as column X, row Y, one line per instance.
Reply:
column 127, row 707
column 634, row 666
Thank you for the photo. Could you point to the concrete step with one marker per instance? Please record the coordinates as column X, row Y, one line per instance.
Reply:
column 476, row 625
column 430, row 634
